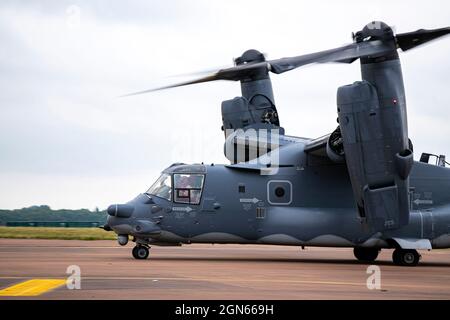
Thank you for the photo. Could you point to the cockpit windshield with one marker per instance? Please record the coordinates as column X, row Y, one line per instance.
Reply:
column 187, row 187
column 162, row 187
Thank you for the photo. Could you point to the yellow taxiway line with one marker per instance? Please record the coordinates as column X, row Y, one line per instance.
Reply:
column 33, row 287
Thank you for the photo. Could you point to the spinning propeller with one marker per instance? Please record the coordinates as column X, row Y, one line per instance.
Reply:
column 375, row 40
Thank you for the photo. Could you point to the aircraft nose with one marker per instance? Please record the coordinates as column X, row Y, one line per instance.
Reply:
column 120, row 210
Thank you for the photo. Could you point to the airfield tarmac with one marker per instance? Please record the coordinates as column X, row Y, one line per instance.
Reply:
column 204, row 271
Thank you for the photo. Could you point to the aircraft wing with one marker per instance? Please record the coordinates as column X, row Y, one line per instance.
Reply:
column 329, row 146
column 318, row 146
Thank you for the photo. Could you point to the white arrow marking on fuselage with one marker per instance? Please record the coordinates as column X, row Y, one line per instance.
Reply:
column 187, row 209
column 418, row 201
column 254, row 200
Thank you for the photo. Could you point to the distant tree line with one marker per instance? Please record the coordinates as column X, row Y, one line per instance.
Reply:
column 46, row 214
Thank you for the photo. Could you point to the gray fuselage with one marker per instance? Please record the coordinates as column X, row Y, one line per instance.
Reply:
column 316, row 208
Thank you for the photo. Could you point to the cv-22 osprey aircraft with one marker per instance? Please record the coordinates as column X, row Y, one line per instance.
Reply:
column 357, row 187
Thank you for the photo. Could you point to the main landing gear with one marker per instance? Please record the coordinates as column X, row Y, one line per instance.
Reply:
column 366, row 254
column 400, row 257
column 406, row 257
column 140, row 252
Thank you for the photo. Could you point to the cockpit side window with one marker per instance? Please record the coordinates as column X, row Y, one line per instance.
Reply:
column 162, row 187
column 188, row 188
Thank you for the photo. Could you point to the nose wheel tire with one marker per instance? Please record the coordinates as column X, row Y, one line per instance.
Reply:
column 140, row 252
column 366, row 254
column 406, row 257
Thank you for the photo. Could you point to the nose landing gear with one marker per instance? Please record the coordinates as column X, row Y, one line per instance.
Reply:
column 140, row 252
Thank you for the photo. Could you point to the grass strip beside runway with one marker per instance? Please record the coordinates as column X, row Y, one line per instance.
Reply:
column 56, row 233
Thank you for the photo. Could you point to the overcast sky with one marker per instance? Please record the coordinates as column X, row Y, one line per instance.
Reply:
column 67, row 141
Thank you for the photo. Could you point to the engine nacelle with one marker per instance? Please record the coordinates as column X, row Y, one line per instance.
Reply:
column 377, row 154
column 335, row 146
column 244, row 123
column 239, row 113
column 254, row 111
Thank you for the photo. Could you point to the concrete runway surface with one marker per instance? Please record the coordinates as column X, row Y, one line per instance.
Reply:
column 204, row 271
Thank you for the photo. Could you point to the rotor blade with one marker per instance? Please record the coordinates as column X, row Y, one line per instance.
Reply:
column 413, row 39
column 350, row 60
column 232, row 74
column 200, row 80
column 345, row 54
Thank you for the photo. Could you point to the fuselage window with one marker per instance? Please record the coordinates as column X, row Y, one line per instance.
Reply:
column 188, row 188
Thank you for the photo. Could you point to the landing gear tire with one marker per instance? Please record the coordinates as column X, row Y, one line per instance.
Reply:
column 140, row 252
column 366, row 254
column 406, row 257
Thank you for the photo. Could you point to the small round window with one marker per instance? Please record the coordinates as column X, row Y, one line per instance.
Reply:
column 279, row 192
